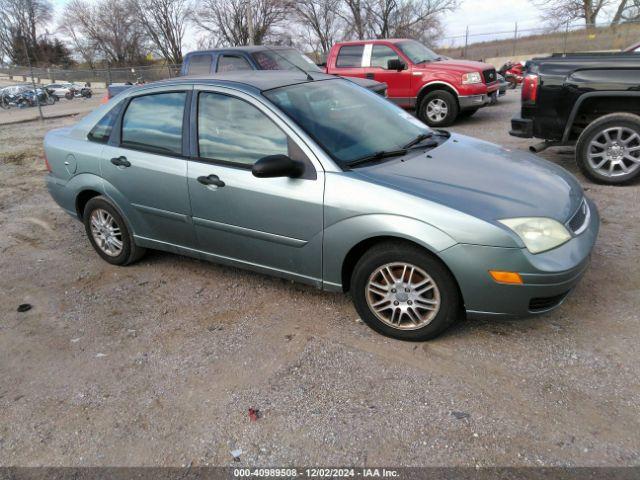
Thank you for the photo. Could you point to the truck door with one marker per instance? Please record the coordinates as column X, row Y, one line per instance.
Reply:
column 376, row 60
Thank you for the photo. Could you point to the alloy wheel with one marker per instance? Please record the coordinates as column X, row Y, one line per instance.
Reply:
column 437, row 110
column 614, row 152
column 106, row 232
column 402, row 296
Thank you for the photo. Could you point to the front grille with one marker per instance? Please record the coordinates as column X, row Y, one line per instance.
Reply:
column 489, row 75
column 580, row 219
column 541, row 304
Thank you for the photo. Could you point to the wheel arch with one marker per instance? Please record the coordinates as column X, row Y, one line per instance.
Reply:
column 434, row 86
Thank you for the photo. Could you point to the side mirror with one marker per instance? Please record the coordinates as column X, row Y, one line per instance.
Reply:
column 396, row 64
column 277, row 166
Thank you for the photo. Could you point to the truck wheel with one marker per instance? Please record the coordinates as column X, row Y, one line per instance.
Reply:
column 438, row 109
column 608, row 150
column 401, row 291
column 108, row 233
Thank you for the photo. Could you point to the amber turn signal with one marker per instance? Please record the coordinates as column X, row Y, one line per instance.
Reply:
column 511, row 278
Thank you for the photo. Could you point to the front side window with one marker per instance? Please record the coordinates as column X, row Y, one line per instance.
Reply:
column 232, row 130
column 348, row 121
column 230, row 63
column 154, row 123
column 350, row 56
column 199, row 65
column 381, row 54
column 102, row 130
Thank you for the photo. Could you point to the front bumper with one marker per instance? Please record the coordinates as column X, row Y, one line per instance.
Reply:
column 521, row 127
column 473, row 101
column 548, row 277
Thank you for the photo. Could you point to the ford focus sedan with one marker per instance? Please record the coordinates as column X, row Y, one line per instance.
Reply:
column 318, row 180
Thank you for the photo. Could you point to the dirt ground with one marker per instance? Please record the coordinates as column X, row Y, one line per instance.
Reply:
column 158, row 363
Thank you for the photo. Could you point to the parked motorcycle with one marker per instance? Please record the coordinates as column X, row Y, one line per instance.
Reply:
column 11, row 97
column 76, row 91
column 513, row 73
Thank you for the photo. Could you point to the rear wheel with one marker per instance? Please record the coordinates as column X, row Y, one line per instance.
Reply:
column 109, row 234
column 403, row 292
column 438, row 109
column 608, row 150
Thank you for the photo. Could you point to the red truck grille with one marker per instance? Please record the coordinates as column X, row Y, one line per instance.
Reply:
column 489, row 75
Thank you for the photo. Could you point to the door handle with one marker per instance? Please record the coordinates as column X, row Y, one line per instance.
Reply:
column 211, row 180
column 369, row 76
column 121, row 162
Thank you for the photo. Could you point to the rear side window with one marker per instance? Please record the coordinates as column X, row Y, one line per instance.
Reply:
column 350, row 56
column 154, row 123
column 199, row 65
column 102, row 130
column 230, row 63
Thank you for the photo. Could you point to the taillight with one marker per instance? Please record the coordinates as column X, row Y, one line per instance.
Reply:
column 105, row 99
column 530, row 88
column 46, row 162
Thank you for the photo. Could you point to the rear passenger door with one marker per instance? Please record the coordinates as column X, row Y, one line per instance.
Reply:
column 145, row 169
column 349, row 61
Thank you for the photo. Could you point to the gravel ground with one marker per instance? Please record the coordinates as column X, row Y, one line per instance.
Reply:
column 158, row 363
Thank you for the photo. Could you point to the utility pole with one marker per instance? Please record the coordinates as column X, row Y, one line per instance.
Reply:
column 249, row 21
column 515, row 39
column 33, row 80
column 466, row 42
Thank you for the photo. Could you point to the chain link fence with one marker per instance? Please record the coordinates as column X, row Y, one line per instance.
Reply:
column 524, row 43
column 98, row 77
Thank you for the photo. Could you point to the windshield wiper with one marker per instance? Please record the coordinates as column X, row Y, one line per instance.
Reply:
column 377, row 156
column 418, row 139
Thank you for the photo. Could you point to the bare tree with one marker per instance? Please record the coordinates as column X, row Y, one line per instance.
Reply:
column 417, row 19
column 226, row 20
column 320, row 20
column 165, row 22
column 22, row 21
column 559, row 12
column 110, row 27
column 354, row 13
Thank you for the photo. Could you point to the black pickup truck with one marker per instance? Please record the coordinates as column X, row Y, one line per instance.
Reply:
column 591, row 101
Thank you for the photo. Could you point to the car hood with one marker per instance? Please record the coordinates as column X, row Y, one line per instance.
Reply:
column 483, row 180
column 459, row 66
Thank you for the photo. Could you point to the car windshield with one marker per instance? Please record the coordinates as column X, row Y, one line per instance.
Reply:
column 283, row 58
column 417, row 52
column 348, row 121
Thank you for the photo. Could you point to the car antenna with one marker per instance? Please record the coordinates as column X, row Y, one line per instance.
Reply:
column 309, row 77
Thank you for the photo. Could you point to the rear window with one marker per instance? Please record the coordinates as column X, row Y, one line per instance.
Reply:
column 232, row 63
column 199, row 65
column 102, row 130
column 350, row 56
column 154, row 123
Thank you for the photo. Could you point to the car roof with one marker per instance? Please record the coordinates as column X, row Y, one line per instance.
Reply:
column 260, row 80
column 375, row 40
column 252, row 48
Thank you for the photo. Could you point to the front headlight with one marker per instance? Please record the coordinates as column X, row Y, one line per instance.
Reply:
column 473, row 77
column 539, row 234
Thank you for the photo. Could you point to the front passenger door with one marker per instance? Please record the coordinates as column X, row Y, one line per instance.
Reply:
column 270, row 224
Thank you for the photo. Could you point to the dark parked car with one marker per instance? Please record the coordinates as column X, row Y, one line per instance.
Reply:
column 260, row 57
column 591, row 101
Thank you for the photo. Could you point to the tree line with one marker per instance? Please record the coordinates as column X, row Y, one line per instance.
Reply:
column 134, row 32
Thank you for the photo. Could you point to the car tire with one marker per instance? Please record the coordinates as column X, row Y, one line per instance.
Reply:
column 109, row 234
column 419, row 303
column 467, row 113
column 438, row 109
column 608, row 146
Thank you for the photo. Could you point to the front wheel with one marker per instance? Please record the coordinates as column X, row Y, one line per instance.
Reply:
column 438, row 109
column 403, row 292
column 109, row 234
column 608, row 150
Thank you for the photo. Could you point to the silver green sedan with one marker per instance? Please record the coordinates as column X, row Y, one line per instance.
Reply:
column 320, row 181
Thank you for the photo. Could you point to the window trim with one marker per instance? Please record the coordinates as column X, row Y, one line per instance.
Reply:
column 234, row 55
column 116, row 139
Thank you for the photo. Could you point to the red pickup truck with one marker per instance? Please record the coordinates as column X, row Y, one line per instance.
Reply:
column 440, row 89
